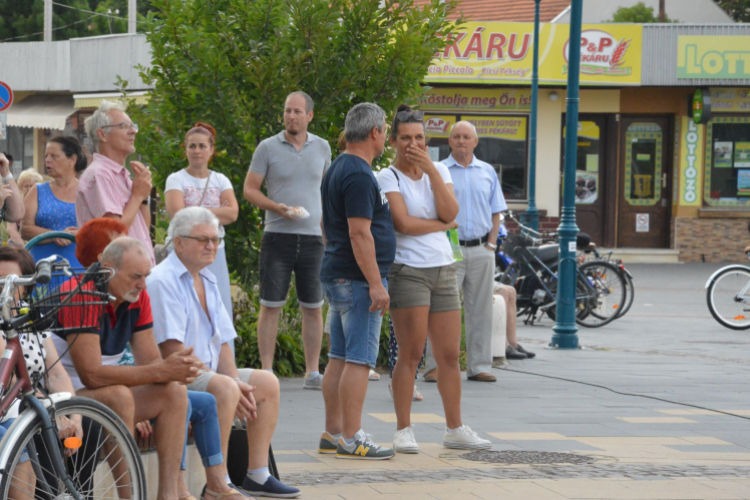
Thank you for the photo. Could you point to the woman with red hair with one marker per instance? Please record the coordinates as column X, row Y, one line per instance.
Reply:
column 197, row 186
column 94, row 237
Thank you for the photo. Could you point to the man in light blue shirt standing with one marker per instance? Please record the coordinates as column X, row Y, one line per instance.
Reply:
column 480, row 202
column 188, row 312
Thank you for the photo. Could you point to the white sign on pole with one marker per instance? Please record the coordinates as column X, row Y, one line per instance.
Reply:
column 641, row 223
column 3, row 126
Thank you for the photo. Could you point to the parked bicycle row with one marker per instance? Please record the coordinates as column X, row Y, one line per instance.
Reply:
column 528, row 260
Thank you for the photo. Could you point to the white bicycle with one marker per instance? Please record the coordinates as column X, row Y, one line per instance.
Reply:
column 728, row 296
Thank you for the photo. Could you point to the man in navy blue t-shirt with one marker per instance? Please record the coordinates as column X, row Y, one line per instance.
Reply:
column 360, row 248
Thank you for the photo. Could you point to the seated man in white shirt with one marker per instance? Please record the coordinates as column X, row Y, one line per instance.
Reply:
column 188, row 312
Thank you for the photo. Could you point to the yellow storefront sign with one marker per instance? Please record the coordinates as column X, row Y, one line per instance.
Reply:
column 491, row 52
column 438, row 126
column 730, row 100
column 719, row 57
column 691, row 162
column 461, row 99
column 512, row 128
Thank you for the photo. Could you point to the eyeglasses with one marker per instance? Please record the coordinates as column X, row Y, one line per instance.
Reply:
column 203, row 240
column 404, row 115
column 124, row 126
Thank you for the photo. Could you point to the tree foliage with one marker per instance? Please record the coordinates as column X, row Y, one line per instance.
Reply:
column 638, row 13
column 739, row 10
column 23, row 21
column 232, row 63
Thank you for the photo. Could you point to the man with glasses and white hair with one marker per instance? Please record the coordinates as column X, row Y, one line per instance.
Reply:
column 105, row 188
column 188, row 313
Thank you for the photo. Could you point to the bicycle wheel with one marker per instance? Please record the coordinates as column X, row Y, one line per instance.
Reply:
column 728, row 297
column 581, row 306
column 630, row 293
column 604, row 295
column 107, row 465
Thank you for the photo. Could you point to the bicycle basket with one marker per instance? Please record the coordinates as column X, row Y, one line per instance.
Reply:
column 68, row 302
column 514, row 242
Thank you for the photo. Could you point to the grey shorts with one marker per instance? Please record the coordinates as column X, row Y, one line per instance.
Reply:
column 201, row 382
column 431, row 286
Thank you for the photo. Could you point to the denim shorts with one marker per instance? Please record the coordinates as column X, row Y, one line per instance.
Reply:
column 280, row 255
column 3, row 429
column 355, row 331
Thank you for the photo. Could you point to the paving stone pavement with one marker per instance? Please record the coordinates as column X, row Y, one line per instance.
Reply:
column 668, row 445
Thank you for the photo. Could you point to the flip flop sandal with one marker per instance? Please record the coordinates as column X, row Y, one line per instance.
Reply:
column 223, row 496
column 416, row 395
column 373, row 375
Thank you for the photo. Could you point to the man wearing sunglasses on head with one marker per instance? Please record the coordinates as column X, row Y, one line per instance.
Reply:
column 105, row 188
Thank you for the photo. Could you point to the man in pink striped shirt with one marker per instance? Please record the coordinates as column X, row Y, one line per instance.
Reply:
column 105, row 188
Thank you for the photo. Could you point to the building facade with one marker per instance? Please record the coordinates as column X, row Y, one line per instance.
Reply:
column 649, row 179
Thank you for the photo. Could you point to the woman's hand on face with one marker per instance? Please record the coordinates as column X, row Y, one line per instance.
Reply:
column 419, row 157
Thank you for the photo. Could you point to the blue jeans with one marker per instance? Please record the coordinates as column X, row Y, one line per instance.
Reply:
column 355, row 331
column 205, row 419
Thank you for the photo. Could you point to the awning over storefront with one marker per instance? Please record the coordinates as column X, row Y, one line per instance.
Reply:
column 93, row 100
column 41, row 111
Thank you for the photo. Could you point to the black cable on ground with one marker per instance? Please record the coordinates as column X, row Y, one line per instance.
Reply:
column 624, row 393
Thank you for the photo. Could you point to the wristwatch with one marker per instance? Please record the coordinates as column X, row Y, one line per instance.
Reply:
column 7, row 178
column 491, row 245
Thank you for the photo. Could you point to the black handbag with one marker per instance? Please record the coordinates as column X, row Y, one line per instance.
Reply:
column 237, row 459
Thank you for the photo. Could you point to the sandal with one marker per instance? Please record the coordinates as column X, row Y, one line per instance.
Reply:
column 189, row 497
column 373, row 375
column 231, row 494
column 415, row 396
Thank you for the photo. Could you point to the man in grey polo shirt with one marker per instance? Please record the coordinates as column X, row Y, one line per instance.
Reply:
column 292, row 163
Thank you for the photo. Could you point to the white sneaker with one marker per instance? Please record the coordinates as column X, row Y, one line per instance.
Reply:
column 313, row 382
column 464, row 438
column 405, row 442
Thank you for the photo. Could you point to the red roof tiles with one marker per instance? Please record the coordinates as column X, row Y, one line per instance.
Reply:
column 508, row 10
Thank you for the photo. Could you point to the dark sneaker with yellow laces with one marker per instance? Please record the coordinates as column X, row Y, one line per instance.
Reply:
column 327, row 444
column 363, row 448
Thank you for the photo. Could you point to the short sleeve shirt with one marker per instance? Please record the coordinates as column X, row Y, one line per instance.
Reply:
column 193, row 187
column 293, row 178
column 426, row 250
column 350, row 190
column 178, row 314
column 105, row 187
column 479, row 196
column 114, row 327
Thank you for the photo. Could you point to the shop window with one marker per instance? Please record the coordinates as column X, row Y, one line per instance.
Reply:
column 587, row 164
column 643, row 163
column 502, row 143
column 727, row 176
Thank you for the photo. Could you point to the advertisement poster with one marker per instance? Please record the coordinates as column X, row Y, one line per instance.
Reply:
column 742, row 155
column 743, row 183
column 497, row 52
column 587, row 187
column 511, row 128
column 723, row 154
column 438, row 126
column 729, row 100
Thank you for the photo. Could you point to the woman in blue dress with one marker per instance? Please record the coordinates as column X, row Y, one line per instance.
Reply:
column 51, row 206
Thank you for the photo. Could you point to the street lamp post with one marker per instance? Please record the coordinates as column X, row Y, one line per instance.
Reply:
column 532, row 213
column 566, row 332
